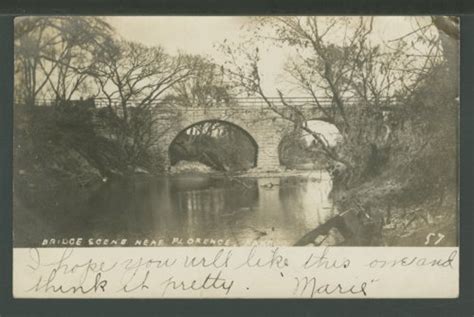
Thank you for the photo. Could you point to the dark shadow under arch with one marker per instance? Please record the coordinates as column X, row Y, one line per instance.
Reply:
column 224, row 122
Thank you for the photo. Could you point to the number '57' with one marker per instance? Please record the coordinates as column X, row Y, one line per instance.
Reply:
column 434, row 238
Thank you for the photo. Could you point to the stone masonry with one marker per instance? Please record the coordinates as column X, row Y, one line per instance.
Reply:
column 262, row 124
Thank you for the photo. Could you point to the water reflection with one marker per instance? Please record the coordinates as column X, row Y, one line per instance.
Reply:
column 242, row 211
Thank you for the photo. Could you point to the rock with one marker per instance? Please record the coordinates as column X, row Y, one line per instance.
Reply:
column 389, row 226
column 334, row 237
column 190, row 167
column 140, row 170
column 319, row 239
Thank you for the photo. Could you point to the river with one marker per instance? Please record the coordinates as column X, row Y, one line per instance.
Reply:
column 192, row 210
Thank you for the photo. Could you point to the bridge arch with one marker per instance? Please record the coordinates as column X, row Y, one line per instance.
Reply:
column 199, row 129
column 262, row 124
column 298, row 149
column 328, row 129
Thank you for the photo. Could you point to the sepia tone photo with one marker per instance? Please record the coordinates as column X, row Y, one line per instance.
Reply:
column 198, row 131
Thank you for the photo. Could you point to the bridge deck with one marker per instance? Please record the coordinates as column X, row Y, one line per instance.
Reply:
column 235, row 103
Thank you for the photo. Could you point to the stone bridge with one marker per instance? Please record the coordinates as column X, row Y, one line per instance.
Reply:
column 262, row 124
column 251, row 114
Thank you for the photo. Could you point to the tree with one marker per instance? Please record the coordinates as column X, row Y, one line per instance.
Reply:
column 28, row 45
column 336, row 59
column 448, row 28
column 132, row 80
column 53, row 55
column 217, row 144
column 205, row 87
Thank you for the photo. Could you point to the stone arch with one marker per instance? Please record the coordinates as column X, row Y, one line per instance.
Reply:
column 328, row 129
column 287, row 152
column 227, row 122
column 263, row 125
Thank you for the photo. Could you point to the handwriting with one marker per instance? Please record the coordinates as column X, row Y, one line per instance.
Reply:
column 255, row 260
column 221, row 272
column 309, row 285
column 85, row 268
column 322, row 261
column 142, row 285
column 415, row 261
column 98, row 285
column 211, row 281
column 218, row 261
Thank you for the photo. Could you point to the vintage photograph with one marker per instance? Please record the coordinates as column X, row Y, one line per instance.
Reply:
column 195, row 131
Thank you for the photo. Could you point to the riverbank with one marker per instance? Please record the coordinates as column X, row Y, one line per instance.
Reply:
column 404, row 214
column 196, row 168
column 384, row 211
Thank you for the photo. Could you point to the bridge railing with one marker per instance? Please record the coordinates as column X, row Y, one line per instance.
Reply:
column 303, row 103
column 235, row 102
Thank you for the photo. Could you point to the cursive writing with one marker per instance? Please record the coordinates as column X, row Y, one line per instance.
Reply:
column 310, row 286
column 211, row 281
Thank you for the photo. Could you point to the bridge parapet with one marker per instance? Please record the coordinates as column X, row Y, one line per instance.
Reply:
column 303, row 104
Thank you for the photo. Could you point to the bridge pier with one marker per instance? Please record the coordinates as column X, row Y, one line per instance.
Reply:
column 268, row 158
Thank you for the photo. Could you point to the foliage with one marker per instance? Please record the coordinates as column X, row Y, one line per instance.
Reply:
column 61, row 143
column 54, row 54
column 424, row 146
column 136, row 88
column 217, row 144
column 136, row 83
column 205, row 87
column 336, row 59
column 295, row 153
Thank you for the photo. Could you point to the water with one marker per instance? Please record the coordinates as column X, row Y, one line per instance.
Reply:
column 192, row 210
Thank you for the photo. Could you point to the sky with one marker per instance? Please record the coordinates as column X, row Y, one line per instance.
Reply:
column 197, row 34
column 200, row 34
column 174, row 33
